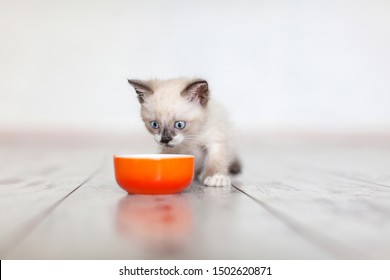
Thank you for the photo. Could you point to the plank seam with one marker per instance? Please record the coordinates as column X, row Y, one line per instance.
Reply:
column 327, row 244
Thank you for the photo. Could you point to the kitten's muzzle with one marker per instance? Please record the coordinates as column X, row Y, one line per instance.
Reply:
column 166, row 136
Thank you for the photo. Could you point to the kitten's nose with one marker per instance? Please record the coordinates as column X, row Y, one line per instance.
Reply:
column 165, row 140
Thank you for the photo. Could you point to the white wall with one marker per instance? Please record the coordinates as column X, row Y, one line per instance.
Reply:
column 290, row 64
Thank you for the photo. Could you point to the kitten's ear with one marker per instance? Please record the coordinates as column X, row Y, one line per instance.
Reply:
column 197, row 91
column 141, row 88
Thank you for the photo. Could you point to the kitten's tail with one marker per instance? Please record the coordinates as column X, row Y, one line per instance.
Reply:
column 235, row 167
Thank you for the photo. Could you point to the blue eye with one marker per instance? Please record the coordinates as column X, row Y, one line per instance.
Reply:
column 180, row 124
column 154, row 124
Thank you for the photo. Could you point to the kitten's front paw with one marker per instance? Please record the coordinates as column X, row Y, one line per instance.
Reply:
column 217, row 180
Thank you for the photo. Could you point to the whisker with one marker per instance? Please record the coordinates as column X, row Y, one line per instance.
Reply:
column 189, row 139
column 192, row 141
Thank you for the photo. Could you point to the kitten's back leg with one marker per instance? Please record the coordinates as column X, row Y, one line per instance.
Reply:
column 235, row 167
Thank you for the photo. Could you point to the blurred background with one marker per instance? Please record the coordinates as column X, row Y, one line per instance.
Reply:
column 277, row 65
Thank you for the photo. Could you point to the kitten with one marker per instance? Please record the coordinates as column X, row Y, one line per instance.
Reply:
column 184, row 120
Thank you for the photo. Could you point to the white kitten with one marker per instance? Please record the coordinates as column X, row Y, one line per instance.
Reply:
column 184, row 120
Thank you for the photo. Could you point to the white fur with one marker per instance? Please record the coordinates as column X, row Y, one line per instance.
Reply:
column 177, row 140
column 157, row 137
column 217, row 180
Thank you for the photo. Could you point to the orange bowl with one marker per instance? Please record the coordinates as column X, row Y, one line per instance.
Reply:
column 154, row 173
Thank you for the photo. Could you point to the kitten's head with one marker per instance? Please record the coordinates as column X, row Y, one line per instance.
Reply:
column 173, row 110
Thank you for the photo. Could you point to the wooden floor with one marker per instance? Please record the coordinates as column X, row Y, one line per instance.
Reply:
column 301, row 198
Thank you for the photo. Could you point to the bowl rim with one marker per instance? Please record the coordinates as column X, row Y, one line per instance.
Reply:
column 153, row 156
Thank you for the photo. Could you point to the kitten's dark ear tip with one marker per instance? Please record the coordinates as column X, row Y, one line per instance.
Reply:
column 136, row 83
column 205, row 84
column 141, row 88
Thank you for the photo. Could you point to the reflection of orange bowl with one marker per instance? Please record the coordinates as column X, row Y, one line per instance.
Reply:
column 161, row 222
column 154, row 173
